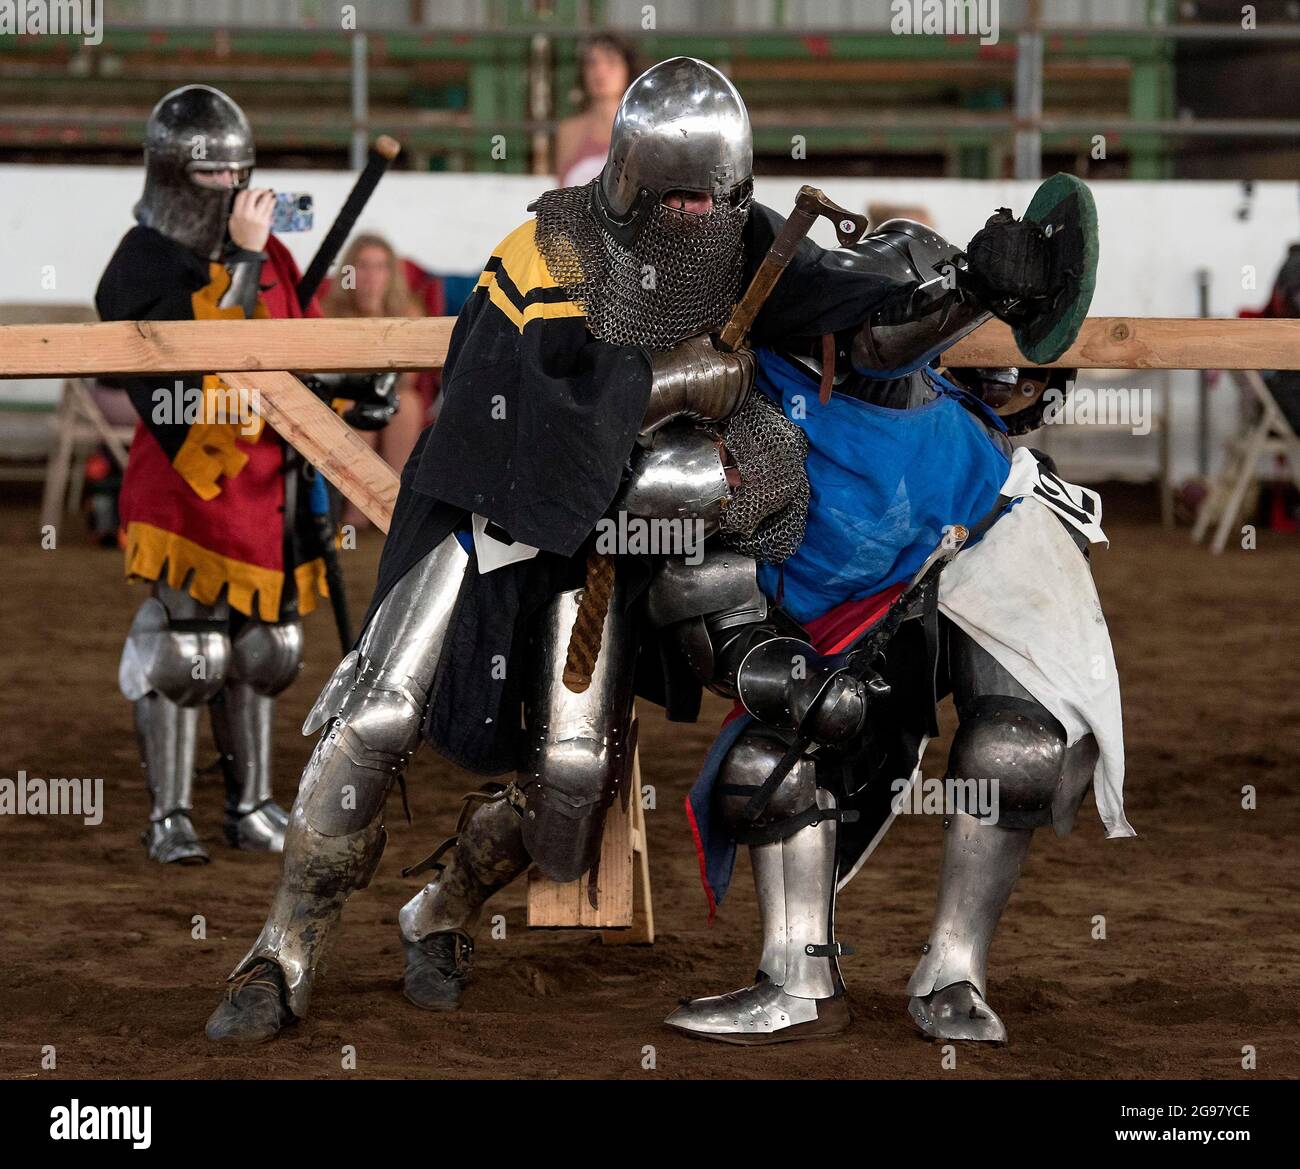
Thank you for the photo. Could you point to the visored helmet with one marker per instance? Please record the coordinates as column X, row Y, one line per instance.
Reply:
column 194, row 134
column 681, row 126
column 645, row 272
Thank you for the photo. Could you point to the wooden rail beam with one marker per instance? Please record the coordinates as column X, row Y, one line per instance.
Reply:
column 324, row 346
column 312, row 346
column 327, row 442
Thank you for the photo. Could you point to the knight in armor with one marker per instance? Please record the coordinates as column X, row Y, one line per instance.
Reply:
column 895, row 461
column 582, row 381
column 214, row 514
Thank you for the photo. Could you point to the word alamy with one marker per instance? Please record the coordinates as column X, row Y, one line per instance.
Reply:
column 102, row 1122
column 32, row 796
column 1129, row 406
column 946, row 797
column 625, row 535
column 945, row 18
column 30, row 18
column 193, row 405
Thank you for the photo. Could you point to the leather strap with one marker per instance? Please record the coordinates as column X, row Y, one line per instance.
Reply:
column 828, row 367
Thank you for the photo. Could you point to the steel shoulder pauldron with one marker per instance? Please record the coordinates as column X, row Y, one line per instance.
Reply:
column 678, row 476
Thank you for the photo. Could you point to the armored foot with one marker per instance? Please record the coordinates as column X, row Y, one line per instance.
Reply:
column 254, row 1008
column 957, row 1012
column 172, row 840
column 761, row 1014
column 261, row 830
column 437, row 970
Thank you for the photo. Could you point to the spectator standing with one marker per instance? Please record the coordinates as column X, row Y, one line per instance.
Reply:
column 607, row 65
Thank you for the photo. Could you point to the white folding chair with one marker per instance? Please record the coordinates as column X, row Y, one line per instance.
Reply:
column 1271, row 434
column 79, row 426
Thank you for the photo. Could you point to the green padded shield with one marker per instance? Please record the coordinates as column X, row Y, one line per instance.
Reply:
column 1064, row 208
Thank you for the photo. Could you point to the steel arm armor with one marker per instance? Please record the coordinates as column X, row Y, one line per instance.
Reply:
column 737, row 647
column 245, row 270
column 695, row 380
column 941, row 309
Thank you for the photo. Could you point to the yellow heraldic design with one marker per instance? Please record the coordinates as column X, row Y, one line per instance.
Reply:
column 209, row 450
column 519, row 283
column 154, row 554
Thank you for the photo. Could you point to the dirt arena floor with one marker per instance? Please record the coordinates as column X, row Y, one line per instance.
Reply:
column 1202, row 939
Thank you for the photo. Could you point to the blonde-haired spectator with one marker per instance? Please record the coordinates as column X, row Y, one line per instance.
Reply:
column 371, row 283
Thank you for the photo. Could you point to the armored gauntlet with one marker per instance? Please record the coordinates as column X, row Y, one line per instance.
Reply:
column 1010, row 266
column 373, row 395
column 695, row 380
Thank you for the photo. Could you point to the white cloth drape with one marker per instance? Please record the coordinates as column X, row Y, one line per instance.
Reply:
column 1025, row 595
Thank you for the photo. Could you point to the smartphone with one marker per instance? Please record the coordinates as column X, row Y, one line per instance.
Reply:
column 293, row 212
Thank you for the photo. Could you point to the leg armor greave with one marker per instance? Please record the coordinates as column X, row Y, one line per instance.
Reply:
column 438, row 924
column 981, row 864
column 1003, row 735
column 799, row 992
column 373, row 705
column 793, row 856
column 488, row 854
column 579, row 754
column 265, row 659
column 175, row 659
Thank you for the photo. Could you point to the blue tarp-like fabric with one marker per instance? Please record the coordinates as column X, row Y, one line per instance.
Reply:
column 885, row 483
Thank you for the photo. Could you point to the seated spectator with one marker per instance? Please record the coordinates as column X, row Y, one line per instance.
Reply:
column 372, row 283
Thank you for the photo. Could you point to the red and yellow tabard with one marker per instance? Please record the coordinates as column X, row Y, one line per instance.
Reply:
column 204, row 501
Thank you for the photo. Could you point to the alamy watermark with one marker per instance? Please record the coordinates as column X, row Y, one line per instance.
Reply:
column 30, row 18
column 217, row 406
column 625, row 535
column 29, row 795
column 1129, row 406
column 76, row 1121
column 945, row 18
column 946, row 797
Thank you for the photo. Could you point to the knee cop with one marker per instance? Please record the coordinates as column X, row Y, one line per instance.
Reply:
column 266, row 656
column 753, row 815
column 1018, row 744
column 177, row 648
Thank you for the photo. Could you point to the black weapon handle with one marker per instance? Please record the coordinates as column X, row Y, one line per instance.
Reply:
column 334, row 581
column 382, row 154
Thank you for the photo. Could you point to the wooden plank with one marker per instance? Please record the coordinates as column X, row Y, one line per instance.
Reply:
column 1149, row 343
column 324, row 439
column 314, row 346
column 402, row 344
column 642, row 932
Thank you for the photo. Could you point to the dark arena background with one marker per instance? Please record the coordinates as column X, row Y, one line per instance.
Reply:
column 1154, row 967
